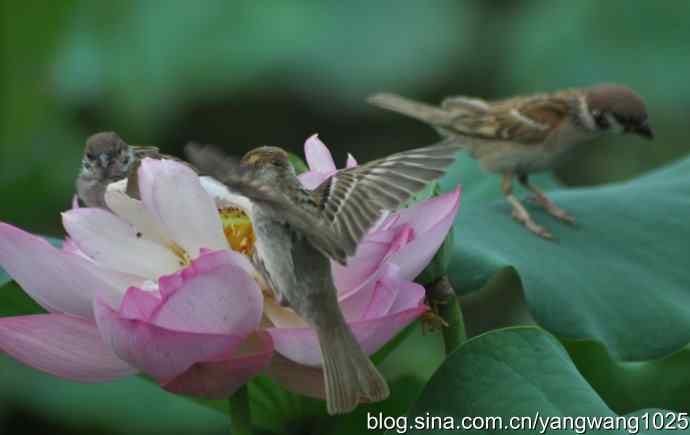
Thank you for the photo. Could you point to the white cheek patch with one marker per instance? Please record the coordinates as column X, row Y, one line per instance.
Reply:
column 585, row 115
column 615, row 126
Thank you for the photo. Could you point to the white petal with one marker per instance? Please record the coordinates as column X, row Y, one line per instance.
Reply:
column 135, row 212
column 222, row 195
column 113, row 243
column 173, row 194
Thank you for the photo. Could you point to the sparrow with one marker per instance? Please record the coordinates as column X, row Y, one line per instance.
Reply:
column 523, row 135
column 107, row 159
column 298, row 231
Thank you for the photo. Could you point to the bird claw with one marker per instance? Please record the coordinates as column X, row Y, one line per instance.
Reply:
column 431, row 319
column 562, row 216
column 551, row 208
column 527, row 221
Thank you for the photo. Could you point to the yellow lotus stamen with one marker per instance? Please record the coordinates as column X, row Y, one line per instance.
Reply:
column 238, row 230
column 181, row 254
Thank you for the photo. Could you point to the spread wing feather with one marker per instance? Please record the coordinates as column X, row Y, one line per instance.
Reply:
column 302, row 214
column 354, row 199
column 339, row 212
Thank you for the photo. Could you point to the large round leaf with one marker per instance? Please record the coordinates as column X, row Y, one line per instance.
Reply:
column 514, row 372
column 620, row 276
column 625, row 386
column 4, row 277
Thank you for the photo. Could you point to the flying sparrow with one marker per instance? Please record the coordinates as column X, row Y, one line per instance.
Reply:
column 297, row 232
column 527, row 134
column 107, row 159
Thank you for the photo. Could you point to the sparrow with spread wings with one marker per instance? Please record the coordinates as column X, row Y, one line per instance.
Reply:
column 527, row 134
column 107, row 159
column 299, row 231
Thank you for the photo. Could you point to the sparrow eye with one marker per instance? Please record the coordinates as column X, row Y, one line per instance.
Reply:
column 600, row 119
column 87, row 165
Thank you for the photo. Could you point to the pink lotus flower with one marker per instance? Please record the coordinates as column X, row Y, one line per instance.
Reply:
column 162, row 286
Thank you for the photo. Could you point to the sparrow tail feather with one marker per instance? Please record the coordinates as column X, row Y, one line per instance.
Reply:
column 349, row 374
column 414, row 109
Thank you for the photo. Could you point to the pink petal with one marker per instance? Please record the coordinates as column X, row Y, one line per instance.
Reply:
column 113, row 243
column 298, row 378
column 312, row 179
column 425, row 215
column 60, row 281
column 355, row 303
column 351, row 162
column 218, row 380
column 212, row 296
column 318, row 157
column 64, row 346
column 159, row 352
column 139, row 304
column 383, row 293
column 372, row 251
column 431, row 220
column 174, row 195
column 406, row 295
column 301, row 344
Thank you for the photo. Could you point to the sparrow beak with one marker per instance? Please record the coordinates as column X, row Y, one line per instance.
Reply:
column 104, row 159
column 643, row 130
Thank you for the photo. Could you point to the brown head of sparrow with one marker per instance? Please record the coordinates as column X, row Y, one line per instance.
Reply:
column 526, row 134
column 298, row 231
column 107, row 159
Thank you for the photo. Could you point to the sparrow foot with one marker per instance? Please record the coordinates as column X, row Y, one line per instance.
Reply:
column 432, row 320
column 524, row 218
column 551, row 208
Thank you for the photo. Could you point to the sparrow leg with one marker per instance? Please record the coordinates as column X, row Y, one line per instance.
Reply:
column 519, row 211
column 548, row 205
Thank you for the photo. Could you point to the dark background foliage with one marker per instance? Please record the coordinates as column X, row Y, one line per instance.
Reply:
column 246, row 73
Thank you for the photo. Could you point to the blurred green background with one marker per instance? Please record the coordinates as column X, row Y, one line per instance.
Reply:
column 246, row 73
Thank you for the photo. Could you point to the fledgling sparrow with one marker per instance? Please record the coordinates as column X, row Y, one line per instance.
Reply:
column 297, row 232
column 107, row 159
column 527, row 134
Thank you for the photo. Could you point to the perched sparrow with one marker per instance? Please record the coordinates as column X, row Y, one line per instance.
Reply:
column 298, row 231
column 107, row 159
column 523, row 135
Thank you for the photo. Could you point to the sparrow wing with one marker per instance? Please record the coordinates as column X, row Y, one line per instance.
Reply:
column 141, row 151
column 300, row 212
column 354, row 199
column 521, row 120
column 465, row 104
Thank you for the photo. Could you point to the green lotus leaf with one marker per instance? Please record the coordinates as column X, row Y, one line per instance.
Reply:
column 619, row 277
column 516, row 372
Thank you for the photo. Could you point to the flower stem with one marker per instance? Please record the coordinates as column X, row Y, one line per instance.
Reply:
column 442, row 294
column 240, row 416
